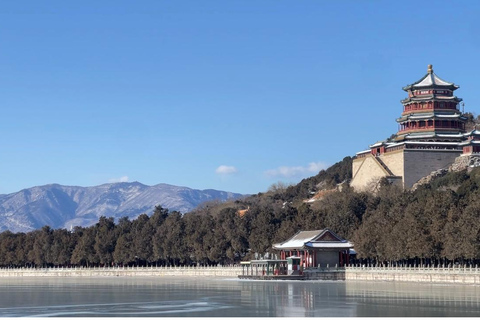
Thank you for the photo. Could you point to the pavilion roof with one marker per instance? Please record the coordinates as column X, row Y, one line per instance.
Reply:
column 324, row 238
column 377, row 144
column 431, row 80
column 364, row 151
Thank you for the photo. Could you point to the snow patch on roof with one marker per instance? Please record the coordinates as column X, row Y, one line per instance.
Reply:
column 432, row 79
column 343, row 245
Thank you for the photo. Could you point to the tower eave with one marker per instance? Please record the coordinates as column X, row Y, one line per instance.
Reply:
column 431, row 98
column 413, row 86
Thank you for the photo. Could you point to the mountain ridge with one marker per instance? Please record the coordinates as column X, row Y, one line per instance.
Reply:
column 60, row 206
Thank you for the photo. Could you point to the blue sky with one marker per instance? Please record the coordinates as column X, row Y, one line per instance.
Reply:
column 228, row 95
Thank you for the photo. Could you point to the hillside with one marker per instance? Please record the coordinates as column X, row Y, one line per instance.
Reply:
column 438, row 223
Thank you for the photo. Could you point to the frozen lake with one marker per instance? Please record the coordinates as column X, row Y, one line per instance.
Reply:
column 170, row 297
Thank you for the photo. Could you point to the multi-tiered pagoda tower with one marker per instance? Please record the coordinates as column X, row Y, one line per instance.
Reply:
column 431, row 112
column 430, row 137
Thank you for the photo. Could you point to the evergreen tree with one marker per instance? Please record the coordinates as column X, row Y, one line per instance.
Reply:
column 105, row 240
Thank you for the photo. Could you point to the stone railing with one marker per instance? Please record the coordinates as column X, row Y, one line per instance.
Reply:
column 466, row 275
column 457, row 275
column 153, row 271
column 408, row 267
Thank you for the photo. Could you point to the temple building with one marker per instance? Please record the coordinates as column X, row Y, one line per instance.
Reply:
column 316, row 248
column 431, row 135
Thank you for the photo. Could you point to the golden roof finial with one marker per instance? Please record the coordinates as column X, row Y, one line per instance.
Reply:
column 430, row 68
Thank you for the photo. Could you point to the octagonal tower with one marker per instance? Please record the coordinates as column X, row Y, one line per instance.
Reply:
column 431, row 112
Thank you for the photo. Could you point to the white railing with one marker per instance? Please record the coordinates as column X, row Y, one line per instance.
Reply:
column 124, row 271
column 420, row 269
column 125, row 268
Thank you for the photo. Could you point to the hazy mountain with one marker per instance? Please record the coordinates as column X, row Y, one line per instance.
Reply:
column 65, row 206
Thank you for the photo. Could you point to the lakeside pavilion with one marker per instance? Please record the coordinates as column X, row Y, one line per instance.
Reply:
column 316, row 248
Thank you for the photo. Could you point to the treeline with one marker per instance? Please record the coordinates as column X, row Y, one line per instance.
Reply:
column 164, row 238
column 435, row 223
column 438, row 222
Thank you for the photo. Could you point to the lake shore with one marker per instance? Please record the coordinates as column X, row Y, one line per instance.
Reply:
column 464, row 275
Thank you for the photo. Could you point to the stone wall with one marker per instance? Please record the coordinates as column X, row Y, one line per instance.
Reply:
column 394, row 161
column 420, row 163
column 366, row 173
column 124, row 272
column 410, row 164
column 332, row 274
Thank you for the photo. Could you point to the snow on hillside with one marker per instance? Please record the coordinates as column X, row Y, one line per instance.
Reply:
column 65, row 206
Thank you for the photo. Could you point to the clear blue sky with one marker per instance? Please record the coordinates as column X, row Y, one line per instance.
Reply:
column 228, row 95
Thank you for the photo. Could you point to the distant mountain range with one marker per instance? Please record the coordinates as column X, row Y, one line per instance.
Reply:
column 65, row 206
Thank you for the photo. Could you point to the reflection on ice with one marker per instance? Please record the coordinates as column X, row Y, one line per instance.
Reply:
column 301, row 299
column 190, row 297
column 411, row 299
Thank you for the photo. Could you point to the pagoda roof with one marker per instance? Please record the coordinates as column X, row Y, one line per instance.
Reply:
column 430, row 80
column 432, row 134
column 430, row 115
column 433, row 143
column 419, row 135
column 445, row 135
column 474, row 132
column 469, row 142
column 431, row 97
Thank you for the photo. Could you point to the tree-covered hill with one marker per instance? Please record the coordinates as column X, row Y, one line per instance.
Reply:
column 436, row 223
